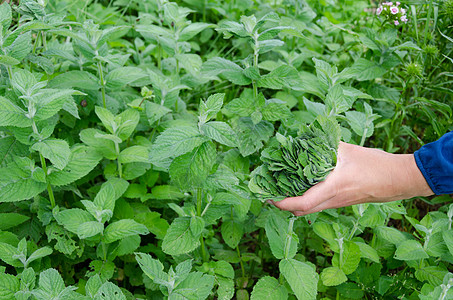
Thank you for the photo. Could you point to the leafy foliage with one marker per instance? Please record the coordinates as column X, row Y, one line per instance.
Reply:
column 129, row 129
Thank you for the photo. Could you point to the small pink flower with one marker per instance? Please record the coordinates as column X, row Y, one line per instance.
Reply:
column 404, row 19
column 388, row 3
column 394, row 10
column 403, row 11
column 398, row 3
column 379, row 10
column 397, row 23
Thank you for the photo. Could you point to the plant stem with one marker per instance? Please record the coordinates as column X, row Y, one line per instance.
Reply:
column 49, row 187
column 120, row 168
column 240, row 261
column 101, row 76
column 428, row 20
column 289, row 236
column 204, row 255
column 159, row 56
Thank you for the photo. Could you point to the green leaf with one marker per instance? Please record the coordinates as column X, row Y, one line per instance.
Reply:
column 110, row 191
column 152, row 268
column 83, row 159
column 196, row 286
column 179, row 238
column 253, row 136
column 109, row 291
column 225, row 291
column 10, row 148
column 21, row 46
column 39, row 253
column 410, row 250
column 127, row 121
column 19, row 181
column 275, row 112
column 433, row 274
column 269, row 288
column 89, row 229
column 301, row 277
column 75, row 79
column 366, row 251
column 363, row 70
column 191, row 169
column 232, row 232
column 123, row 228
column 154, row 223
column 8, row 255
column 175, row 141
column 390, row 234
column 166, row 192
column 230, row 70
column 93, row 137
column 9, row 220
column 208, row 109
column 333, row 276
column 190, row 62
column 50, row 101
column 71, row 219
column 155, row 111
column 107, row 118
column 196, row 225
column 122, row 76
column 9, row 284
column 193, row 29
column 220, row 132
column 51, row 286
column 350, row 258
column 92, row 286
column 283, row 76
column 448, row 238
column 5, row 16
column 283, row 243
column 12, row 115
column 55, row 150
column 134, row 154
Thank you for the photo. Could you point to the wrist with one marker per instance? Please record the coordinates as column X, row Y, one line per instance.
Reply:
column 414, row 182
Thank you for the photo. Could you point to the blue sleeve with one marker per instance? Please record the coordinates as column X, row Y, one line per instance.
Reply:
column 435, row 161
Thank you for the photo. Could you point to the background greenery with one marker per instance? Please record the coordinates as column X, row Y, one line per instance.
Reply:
column 129, row 129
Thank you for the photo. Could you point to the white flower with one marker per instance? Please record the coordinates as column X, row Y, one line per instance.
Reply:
column 394, row 10
column 398, row 3
column 403, row 11
column 388, row 3
column 404, row 19
column 397, row 23
column 379, row 10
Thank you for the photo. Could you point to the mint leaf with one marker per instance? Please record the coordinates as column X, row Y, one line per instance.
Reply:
column 179, row 238
column 55, row 150
column 191, row 169
column 9, row 285
column 301, row 277
column 123, row 228
column 82, row 160
column 220, row 132
column 268, row 287
column 12, row 115
column 176, row 141
column 333, row 276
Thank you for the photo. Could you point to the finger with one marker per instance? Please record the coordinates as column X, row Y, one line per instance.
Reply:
column 313, row 197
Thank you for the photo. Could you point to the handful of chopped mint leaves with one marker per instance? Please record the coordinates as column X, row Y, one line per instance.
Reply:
column 298, row 163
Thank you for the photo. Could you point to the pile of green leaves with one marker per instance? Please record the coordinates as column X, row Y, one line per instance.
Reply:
column 297, row 164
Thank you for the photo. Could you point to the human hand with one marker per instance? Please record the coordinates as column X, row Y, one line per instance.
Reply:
column 362, row 175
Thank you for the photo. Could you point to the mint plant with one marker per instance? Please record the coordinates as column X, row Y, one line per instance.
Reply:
column 134, row 135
